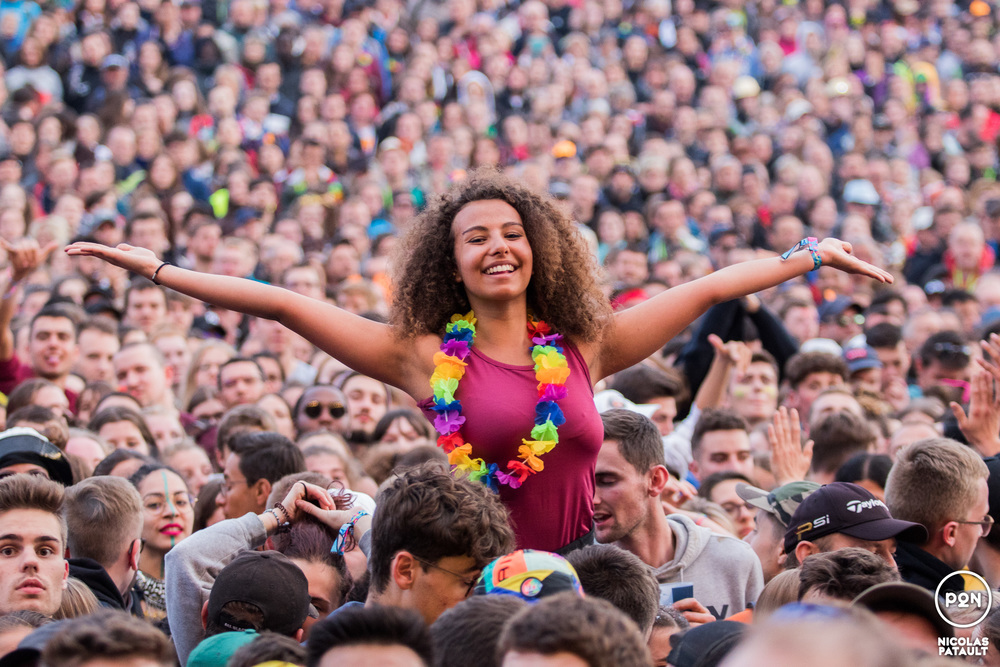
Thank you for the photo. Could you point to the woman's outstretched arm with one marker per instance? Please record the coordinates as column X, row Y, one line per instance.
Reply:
column 642, row 330
column 366, row 346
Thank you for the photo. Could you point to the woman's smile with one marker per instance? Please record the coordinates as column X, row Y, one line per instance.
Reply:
column 492, row 252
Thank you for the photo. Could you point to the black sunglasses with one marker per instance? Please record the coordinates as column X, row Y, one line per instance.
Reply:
column 314, row 409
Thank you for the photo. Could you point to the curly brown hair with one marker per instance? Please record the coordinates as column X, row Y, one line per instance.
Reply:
column 563, row 290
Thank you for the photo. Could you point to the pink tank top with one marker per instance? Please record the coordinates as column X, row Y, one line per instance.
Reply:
column 555, row 506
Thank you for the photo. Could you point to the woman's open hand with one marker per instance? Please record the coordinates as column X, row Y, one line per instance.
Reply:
column 838, row 255
column 131, row 258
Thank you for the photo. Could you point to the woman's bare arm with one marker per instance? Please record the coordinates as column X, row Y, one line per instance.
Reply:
column 368, row 347
column 643, row 329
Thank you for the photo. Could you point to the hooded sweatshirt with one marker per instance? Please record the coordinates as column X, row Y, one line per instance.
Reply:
column 104, row 589
column 724, row 571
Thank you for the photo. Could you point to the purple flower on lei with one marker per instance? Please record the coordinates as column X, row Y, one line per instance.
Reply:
column 553, row 392
column 448, row 422
column 455, row 348
column 546, row 340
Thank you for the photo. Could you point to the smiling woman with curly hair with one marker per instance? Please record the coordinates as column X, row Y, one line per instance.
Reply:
column 499, row 331
column 563, row 290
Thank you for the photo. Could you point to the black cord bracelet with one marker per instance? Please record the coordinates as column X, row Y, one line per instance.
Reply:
column 158, row 269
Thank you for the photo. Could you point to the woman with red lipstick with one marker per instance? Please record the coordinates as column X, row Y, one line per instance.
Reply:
column 500, row 330
column 168, row 517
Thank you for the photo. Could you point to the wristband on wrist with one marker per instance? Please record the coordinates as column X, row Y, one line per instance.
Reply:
column 812, row 245
column 11, row 289
column 345, row 538
column 281, row 508
column 282, row 526
column 155, row 273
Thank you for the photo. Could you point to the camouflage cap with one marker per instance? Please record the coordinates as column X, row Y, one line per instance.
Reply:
column 781, row 502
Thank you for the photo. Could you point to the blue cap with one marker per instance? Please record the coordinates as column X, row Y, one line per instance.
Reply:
column 860, row 358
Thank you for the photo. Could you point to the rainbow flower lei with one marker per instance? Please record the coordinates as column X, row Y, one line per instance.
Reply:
column 551, row 371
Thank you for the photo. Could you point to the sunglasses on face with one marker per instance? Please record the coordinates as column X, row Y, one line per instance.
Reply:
column 845, row 320
column 314, row 409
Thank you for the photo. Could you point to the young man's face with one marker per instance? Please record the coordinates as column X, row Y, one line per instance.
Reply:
column 802, row 396
column 936, row 373
column 239, row 495
column 754, row 394
column 766, row 540
column 666, row 414
column 832, row 403
column 146, row 309
column 723, row 451
column 620, row 495
column 895, row 362
column 97, row 349
column 967, row 534
column 438, row 587
column 139, row 373
column 869, row 379
column 33, row 571
column 52, row 347
column 240, row 382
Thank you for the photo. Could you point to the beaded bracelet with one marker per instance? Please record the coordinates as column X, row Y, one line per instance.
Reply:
column 812, row 244
column 340, row 544
column 281, row 508
column 281, row 527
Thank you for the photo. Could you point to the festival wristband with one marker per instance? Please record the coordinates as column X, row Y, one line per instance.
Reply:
column 11, row 289
column 813, row 246
column 345, row 530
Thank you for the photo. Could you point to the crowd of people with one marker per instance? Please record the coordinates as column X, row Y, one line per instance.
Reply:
column 499, row 332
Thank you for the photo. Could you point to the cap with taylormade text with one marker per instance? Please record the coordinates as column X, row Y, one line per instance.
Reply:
column 847, row 508
column 781, row 502
column 267, row 580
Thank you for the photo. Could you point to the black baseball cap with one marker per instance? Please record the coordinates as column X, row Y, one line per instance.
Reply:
column 267, row 580
column 850, row 509
column 26, row 445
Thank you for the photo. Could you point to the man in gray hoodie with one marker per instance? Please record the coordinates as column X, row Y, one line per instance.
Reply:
column 689, row 561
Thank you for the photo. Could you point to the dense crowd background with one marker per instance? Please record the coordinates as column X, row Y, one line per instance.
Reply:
column 293, row 142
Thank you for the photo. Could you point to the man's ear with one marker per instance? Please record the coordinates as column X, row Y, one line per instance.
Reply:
column 948, row 533
column 262, row 488
column 804, row 549
column 204, row 615
column 298, row 635
column 404, row 570
column 65, row 581
column 659, row 477
column 135, row 553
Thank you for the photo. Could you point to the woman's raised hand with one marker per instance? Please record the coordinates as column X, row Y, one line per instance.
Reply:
column 838, row 255
column 131, row 258
column 303, row 497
